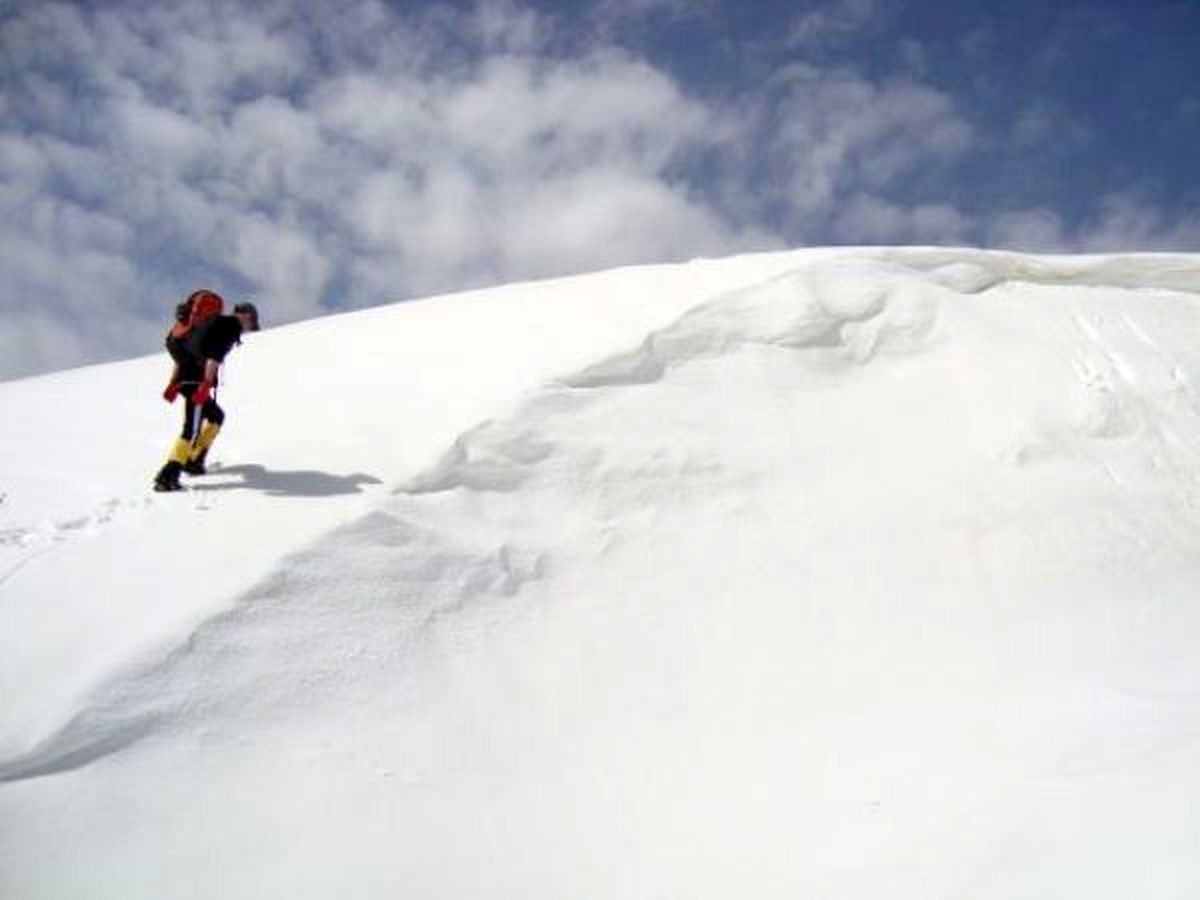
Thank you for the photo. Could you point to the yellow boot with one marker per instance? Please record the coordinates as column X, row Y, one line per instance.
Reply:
column 167, row 478
column 194, row 465
column 180, row 451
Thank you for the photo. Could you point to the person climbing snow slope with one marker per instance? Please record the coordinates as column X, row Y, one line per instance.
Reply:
column 198, row 343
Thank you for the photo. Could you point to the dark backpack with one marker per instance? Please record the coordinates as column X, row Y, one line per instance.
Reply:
column 193, row 317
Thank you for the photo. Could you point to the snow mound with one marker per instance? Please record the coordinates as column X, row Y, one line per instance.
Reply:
column 862, row 574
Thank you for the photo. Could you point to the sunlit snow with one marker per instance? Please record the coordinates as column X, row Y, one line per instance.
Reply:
column 834, row 573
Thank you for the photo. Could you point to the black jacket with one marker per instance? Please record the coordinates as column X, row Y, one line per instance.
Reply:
column 210, row 340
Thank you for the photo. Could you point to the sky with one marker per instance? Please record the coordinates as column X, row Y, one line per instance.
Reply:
column 323, row 157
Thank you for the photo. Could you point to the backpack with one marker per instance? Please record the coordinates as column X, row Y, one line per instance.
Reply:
column 192, row 317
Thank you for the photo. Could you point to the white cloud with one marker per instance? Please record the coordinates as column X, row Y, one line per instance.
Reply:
column 569, row 114
column 281, row 259
column 452, row 169
column 70, row 289
column 1037, row 229
column 157, row 139
column 40, row 339
column 273, row 153
column 832, row 21
column 837, row 132
column 1126, row 220
column 625, row 12
column 502, row 25
column 1119, row 221
column 606, row 216
column 872, row 220
column 1042, row 123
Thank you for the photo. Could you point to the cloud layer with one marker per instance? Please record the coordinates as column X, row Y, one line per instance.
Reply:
column 366, row 155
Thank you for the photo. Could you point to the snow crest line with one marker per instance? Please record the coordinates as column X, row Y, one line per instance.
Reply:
column 844, row 316
column 979, row 271
column 819, row 307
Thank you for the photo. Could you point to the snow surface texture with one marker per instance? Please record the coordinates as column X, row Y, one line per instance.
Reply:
column 840, row 574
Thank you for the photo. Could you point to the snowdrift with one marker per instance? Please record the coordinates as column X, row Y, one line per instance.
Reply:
column 829, row 573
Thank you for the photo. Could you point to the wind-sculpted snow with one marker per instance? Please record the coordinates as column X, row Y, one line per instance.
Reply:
column 405, row 575
column 874, row 575
column 823, row 307
column 342, row 609
column 976, row 272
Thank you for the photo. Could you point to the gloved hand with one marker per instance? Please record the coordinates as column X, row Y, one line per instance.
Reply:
column 202, row 393
column 171, row 392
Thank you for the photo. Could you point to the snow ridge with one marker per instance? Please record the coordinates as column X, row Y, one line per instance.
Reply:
column 883, row 554
column 840, row 313
column 405, row 576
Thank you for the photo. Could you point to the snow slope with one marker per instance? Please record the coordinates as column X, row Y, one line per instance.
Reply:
column 827, row 573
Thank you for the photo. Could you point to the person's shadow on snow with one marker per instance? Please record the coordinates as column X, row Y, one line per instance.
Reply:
column 304, row 483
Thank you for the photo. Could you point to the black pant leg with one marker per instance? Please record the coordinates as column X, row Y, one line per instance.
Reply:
column 212, row 412
column 191, row 419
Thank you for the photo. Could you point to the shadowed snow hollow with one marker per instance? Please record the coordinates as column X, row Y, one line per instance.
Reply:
column 874, row 575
